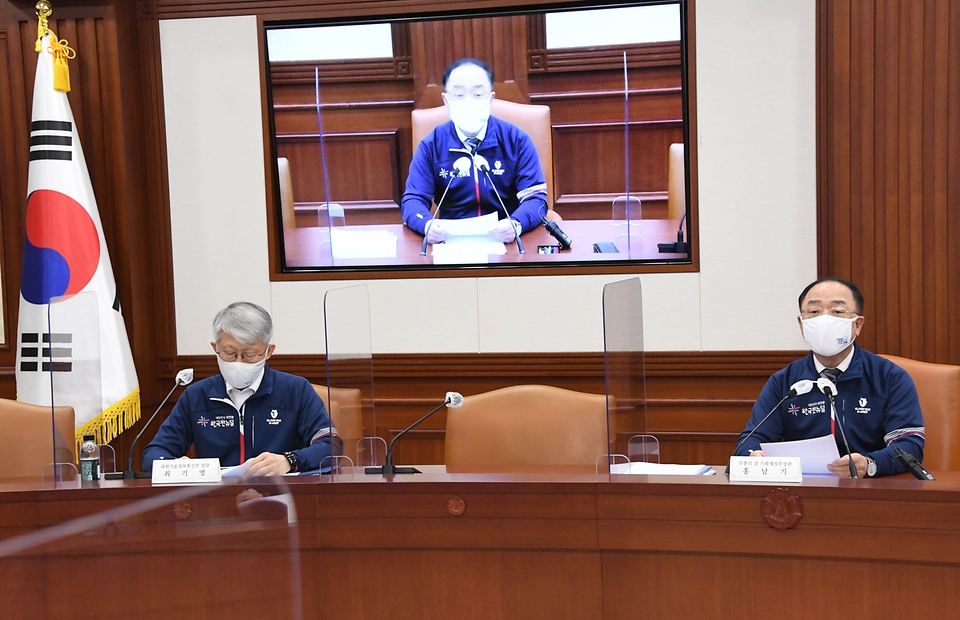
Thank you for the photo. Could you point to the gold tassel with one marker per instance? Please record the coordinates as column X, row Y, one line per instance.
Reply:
column 61, row 72
column 111, row 422
column 59, row 48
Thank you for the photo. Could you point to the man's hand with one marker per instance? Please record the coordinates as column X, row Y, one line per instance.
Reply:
column 842, row 469
column 435, row 232
column 504, row 231
column 269, row 464
column 756, row 453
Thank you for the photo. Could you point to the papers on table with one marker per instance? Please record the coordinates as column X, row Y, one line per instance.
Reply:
column 239, row 471
column 470, row 226
column 661, row 469
column 468, row 241
column 363, row 243
column 815, row 454
column 236, row 471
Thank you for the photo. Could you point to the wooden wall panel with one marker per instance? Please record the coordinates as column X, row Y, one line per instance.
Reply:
column 500, row 41
column 9, row 213
column 361, row 166
column 589, row 160
column 888, row 132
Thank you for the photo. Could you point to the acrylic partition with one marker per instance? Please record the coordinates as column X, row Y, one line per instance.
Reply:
column 624, row 372
column 58, row 386
column 109, row 551
column 349, row 372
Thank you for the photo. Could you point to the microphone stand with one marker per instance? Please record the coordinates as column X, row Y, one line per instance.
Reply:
column 553, row 228
column 912, row 464
column 790, row 394
column 486, row 172
column 833, row 412
column 130, row 473
column 388, row 466
column 426, row 229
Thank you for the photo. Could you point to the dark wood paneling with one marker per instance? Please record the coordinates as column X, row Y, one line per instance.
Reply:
column 361, row 166
column 589, row 157
column 11, row 162
column 500, row 41
column 340, row 71
column 888, row 134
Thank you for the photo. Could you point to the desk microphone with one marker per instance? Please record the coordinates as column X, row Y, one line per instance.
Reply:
column 912, row 464
column 184, row 377
column 453, row 400
column 562, row 239
column 486, row 171
column 680, row 247
column 457, row 172
column 827, row 387
column 798, row 388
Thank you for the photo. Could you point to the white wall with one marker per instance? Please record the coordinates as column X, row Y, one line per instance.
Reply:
column 756, row 115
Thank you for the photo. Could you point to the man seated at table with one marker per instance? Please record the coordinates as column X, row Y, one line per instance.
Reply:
column 455, row 165
column 248, row 410
column 876, row 400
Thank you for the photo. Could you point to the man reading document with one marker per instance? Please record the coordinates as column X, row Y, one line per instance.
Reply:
column 876, row 400
column 249, row 411
column 465, row 164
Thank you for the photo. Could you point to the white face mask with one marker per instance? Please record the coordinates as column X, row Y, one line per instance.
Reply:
column 828, row 335
column 469, row 114
column 239, row 374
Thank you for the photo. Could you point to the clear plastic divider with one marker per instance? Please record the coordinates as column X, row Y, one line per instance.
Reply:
column 350, row 373
column 59, row 387
column 211, row 551
column 643, row 449
column 623, row 355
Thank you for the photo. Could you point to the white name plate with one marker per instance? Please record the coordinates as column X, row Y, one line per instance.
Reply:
column 186, row 471
column 765, row 469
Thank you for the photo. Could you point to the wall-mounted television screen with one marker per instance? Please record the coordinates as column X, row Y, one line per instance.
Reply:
column 578, row 142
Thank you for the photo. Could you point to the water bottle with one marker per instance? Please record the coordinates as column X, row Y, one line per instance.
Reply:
column 89, row 459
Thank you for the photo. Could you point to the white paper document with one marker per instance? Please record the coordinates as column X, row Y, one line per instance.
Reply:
column 815, row 454
column 363, row 243
column 661, row 469
column 239, row 471
column 470, row 226
column 468, row 241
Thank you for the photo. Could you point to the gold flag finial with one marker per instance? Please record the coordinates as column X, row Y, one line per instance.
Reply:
column 44, row 10
column 58, row 47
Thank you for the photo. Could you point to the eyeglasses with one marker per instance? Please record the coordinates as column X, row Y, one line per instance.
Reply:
column 460, row 95
column 248, row 357
column 838, row 311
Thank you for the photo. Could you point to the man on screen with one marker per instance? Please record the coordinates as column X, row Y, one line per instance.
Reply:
column 876, row 400
column 248, row 411
column 464, row 164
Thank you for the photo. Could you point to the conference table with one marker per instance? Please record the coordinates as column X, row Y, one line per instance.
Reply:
column 307, row 247
column 539, row 543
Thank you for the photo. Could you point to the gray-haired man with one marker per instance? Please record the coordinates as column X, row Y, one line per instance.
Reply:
column 248, row 411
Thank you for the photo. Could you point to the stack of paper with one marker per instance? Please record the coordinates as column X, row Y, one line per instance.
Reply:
column 363, row 243
column 661, row 469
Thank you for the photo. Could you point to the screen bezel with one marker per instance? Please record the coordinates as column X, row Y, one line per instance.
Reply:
column 280, row 271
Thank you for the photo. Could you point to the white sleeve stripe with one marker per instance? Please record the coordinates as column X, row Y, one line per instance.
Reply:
column 323, row 432
column 914, row 431
column 533, row 189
